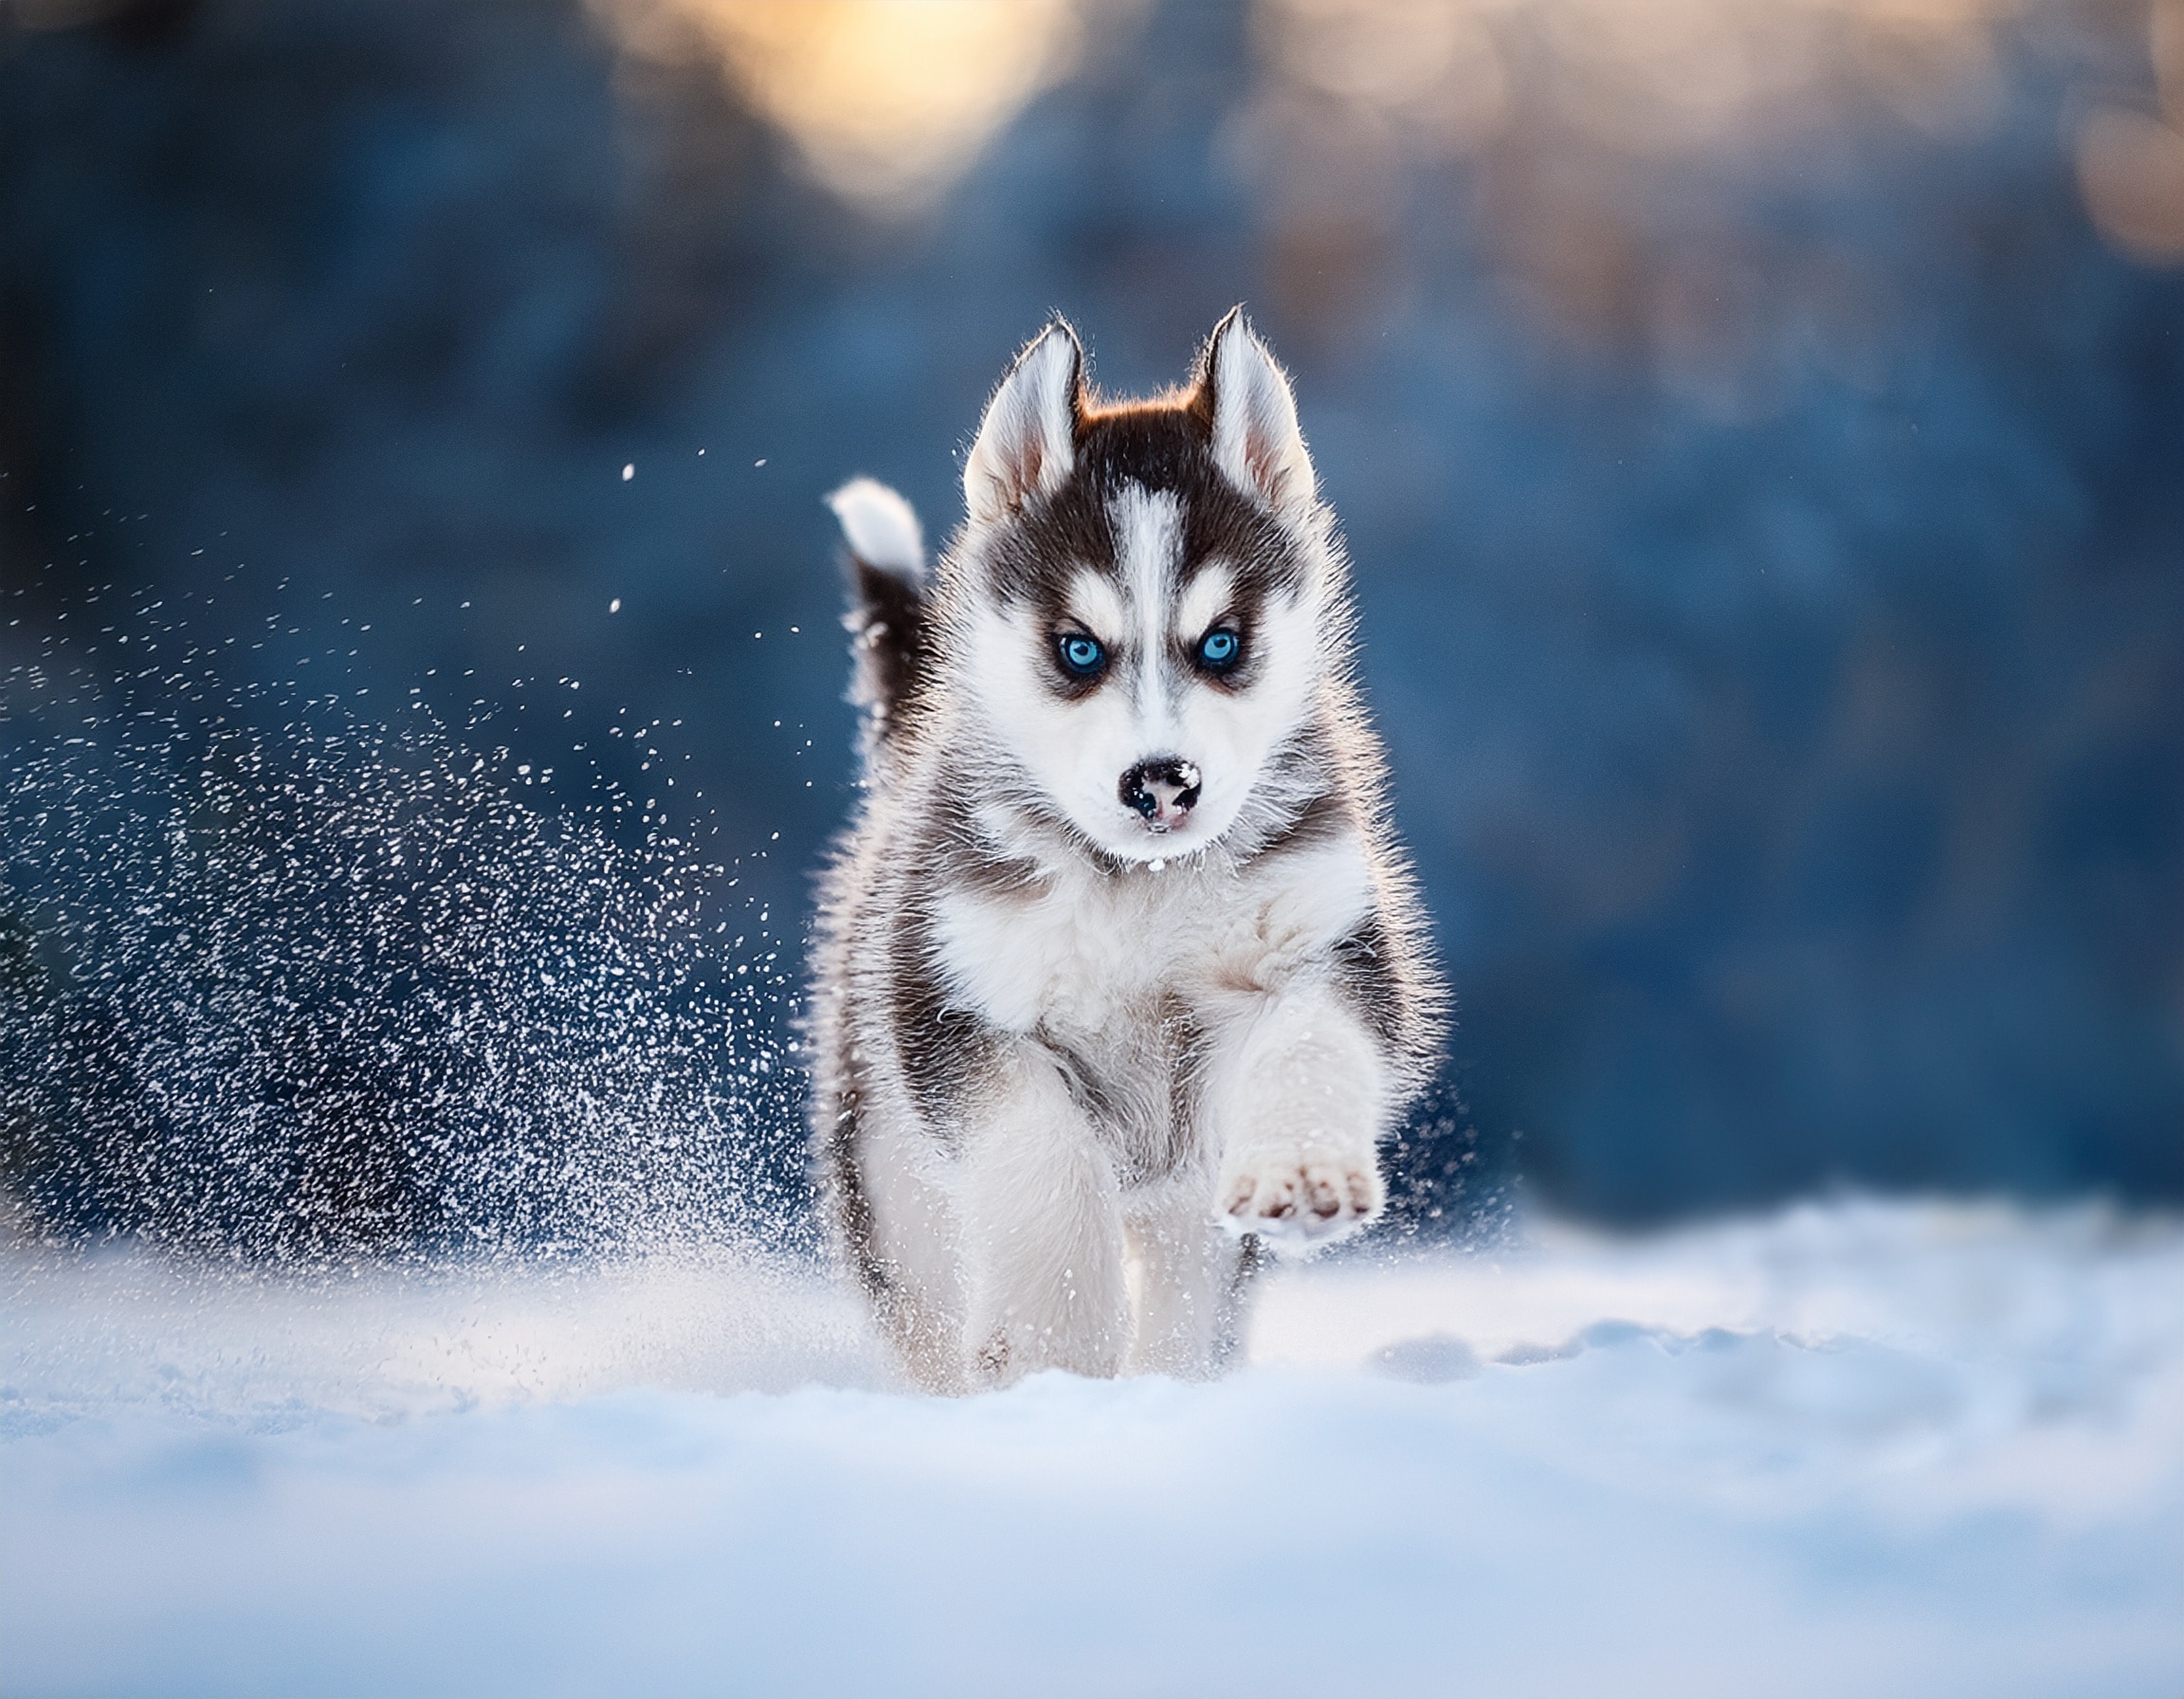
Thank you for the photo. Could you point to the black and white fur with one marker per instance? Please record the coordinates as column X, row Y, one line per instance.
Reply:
column 1119, row 977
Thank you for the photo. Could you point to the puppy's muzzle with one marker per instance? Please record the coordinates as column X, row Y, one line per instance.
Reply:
column 1162, row 791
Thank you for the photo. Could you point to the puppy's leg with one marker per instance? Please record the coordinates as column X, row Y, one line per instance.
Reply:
column 915, row 1247
column 1300, row 1094
column 1043, row 1230
column 1193, row 1279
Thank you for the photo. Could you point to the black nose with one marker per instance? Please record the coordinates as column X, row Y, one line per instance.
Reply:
column 1163, row 790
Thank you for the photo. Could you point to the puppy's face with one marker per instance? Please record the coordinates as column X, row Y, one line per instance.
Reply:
column 1148, row 627
column 1143, row 659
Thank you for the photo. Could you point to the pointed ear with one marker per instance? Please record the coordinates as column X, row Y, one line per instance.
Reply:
column 1256, row 441
column 1026, row 442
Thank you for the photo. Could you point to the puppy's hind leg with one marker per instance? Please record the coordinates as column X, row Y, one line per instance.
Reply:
column 1043, row 1230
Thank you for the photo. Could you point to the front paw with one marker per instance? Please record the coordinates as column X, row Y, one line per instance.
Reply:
column 1301, row 1198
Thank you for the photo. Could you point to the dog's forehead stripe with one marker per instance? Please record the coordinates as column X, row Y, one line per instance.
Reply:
column 1148, row 536
column 1148, row 529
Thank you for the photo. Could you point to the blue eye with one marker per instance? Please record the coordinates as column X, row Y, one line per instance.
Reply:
column 1219, row 649
column 1082, row 655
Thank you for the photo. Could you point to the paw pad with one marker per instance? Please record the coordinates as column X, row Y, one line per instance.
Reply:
column 1301, row 1199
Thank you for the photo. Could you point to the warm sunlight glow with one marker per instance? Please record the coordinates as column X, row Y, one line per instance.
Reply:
column 889, row 101
column 1646, row 75
column 2131, row 168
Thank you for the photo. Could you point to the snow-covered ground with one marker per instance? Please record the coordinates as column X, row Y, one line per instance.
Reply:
column 1855, row 1447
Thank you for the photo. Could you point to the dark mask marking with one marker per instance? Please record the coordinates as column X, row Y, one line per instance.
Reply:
column 1160, row 447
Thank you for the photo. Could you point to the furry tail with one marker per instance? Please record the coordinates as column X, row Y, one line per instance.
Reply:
column 888, row 608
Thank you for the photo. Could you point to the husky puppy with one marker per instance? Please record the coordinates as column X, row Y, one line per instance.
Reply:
column 1119, row 974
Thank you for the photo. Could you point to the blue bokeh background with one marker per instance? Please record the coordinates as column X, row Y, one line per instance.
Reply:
column 1769, row 524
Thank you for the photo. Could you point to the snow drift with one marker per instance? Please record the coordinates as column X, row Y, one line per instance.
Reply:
column 1855, row 1447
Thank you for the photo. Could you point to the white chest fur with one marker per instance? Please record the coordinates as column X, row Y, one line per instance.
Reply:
column 1085, row 954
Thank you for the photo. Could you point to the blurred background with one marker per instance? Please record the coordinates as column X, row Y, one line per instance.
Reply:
column 1758, row 425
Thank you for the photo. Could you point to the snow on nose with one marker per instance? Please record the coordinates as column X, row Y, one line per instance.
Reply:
column 1162, row 791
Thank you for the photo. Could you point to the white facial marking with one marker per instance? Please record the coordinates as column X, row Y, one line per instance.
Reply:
column 1148, row 537
column 1205, row 601
column 1099, row 606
